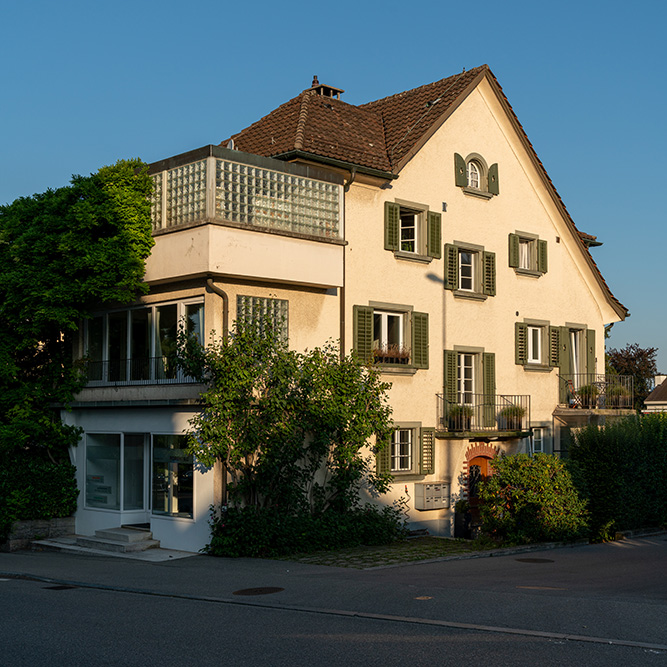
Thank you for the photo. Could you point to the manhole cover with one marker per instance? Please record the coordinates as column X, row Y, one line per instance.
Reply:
column 58, row 588
column 534, row 560
column 265, row 590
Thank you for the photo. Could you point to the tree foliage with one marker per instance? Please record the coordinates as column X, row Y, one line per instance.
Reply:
column 531, row 499
column 638, row 362
column 63, row 253
column 290, row 428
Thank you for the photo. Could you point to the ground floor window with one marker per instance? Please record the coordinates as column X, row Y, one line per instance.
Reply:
column 401, row 450
column 173, row 476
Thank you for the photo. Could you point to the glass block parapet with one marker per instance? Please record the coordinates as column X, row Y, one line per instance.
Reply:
column 260, row 192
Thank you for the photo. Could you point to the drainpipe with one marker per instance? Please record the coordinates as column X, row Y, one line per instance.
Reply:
column 220, row 467
column 225, row 305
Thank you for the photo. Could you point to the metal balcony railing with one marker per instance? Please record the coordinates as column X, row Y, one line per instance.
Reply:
column 483, row 412
column 595, row 391
column 141, row 371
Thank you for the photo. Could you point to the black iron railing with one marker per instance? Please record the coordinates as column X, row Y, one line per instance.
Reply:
column 483, row 412
column 141, row 371
column 595, row 391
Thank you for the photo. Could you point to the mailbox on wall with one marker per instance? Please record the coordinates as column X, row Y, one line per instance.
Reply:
column 432, row 495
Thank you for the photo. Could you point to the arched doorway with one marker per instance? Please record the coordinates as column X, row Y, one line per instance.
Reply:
column 478, row 463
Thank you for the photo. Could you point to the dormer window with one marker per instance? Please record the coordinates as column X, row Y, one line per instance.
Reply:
column 475, row 177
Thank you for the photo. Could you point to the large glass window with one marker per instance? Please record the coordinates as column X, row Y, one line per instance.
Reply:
column 103, row 470
column 173, row 476
column 133, row 471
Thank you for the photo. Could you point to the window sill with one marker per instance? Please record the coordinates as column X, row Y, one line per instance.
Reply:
column 482, row 194
column 533, row 273
column 473, row 296
column 413, row 257
column 539, row 368
column 406, row 475
column 396, row 369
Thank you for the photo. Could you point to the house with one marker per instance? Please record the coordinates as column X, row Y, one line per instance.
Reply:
column 656, row 401
column 422, row 231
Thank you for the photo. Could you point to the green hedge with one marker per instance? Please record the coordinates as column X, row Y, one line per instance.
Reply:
column 31, row 488
column 621, row 469
column 267, row 532
column 531, row 500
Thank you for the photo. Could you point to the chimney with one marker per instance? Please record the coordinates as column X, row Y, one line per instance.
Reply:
column 324, row 90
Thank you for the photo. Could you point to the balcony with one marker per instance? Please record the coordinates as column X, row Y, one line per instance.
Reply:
column 131, row 372
column 591, row 391
column 484, row 416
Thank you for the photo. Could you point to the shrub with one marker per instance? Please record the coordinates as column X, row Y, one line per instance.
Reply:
column 621, row 469
column 531, row 500
column 266, row 532
column 31, row 488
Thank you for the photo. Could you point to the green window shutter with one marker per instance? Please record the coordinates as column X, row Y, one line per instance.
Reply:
column 392, row 217
column 434, row 235
column 590, row 351
column 494, row 187
column 449, row 383
column 564, row 361
column 420, row 340
column 451, row 266
column 542, row 261
column 460, row 172
column 427, row 463
column 514, row 250
column 554, row 345
column 520, row 343
column 383, row 460
column 363, row 332
column 489, row 275
column 489, row 388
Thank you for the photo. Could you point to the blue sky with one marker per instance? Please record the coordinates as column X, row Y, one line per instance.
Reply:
column 87, row 83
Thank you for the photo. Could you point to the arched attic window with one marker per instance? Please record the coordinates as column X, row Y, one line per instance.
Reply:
column 474, row 176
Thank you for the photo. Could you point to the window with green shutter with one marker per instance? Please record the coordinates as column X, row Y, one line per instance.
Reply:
column 427, row 464
column 527, row 254
column 420, row 340
column 475, row 177
column 412, row 230
column 469, row 271
column 391, row 225
column 434, row 235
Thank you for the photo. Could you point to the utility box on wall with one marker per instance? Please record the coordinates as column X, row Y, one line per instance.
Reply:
column 432, row 495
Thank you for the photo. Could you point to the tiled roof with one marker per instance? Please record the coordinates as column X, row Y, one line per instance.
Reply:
column 658, row 395
column 382, row 135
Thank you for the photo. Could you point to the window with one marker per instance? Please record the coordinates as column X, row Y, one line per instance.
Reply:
column 412, row 230
column 260, row 312
column 410, row 452
column 465, row 379
column 535, row 344
column 538, row 440
column 469, row 270
column 391, row 335
column 528, row 254
column 173, row 476
column 139, row 344
column 401, row 450
column 473, row 175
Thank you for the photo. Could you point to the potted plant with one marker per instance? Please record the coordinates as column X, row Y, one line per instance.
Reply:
column 391, row 354
column 588, row 395
column 459, row 417
column 618, row 396
column 510, row 418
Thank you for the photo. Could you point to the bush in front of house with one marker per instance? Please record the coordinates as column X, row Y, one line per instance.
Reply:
column 33, row 488
column 266, row 532
column 531, row 499
column 621, row 468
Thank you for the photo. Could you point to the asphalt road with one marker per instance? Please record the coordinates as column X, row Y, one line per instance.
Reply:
column 591, row 605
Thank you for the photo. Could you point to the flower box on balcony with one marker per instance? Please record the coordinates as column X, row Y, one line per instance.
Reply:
column 392, row 355
column 510, row 418
column 459, row 417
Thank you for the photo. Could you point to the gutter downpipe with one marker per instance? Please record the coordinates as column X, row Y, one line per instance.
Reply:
column 220, row 469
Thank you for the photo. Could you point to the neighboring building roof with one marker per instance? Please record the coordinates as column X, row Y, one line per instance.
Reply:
column 381, row 137
column 658, row 395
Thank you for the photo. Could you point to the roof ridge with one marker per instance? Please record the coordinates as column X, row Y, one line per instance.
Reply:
column 476, row 70
column 301, row 123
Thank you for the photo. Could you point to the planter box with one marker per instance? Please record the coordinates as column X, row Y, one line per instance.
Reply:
column 25, row 532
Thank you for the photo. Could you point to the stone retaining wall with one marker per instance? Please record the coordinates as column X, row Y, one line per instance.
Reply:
column 24, row 532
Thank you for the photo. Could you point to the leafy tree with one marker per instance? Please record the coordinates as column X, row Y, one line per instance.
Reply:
column 531, row 499
column 638, row 362
column 63, row 253
column 290, row 428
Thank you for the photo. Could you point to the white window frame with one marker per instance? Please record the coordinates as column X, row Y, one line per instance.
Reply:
column 403, row 450
column 474, row 173
column 539, row 437
column 466, row 377
column 471, row 267
column 383, row 337
column 527, row 254
column 535, row 344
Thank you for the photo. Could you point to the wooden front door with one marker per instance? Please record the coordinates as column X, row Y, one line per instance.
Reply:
column 478, row 469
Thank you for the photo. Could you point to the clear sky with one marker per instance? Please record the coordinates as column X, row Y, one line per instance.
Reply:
column 86, row 83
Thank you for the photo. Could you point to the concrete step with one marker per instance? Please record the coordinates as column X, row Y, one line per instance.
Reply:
column 129, row 535
column 118, row 546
